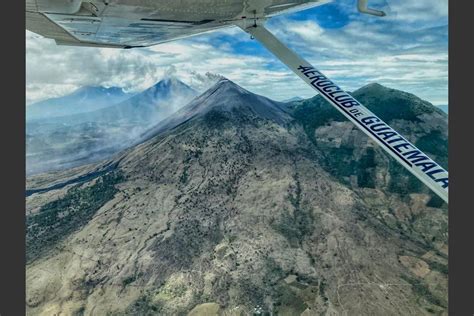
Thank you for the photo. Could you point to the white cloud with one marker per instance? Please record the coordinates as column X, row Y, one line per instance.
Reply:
column 307, row 30
column 398, row 55
column 406, row 50
column 59, row 69
column 426, row 11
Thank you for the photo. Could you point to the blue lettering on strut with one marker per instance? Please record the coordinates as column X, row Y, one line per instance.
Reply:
column 374, row 126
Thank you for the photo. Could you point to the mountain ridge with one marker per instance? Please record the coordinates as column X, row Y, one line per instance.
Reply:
column 68, row 141
column 235, row 207
column 162, row 91
column 82, row 100
column 225, row 96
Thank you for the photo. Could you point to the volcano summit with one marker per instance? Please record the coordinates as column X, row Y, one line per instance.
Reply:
column 237, row 204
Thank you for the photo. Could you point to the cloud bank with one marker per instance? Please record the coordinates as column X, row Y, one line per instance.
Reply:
column 406, row 50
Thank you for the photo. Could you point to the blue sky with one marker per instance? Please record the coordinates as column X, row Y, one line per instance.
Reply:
column 407, row 50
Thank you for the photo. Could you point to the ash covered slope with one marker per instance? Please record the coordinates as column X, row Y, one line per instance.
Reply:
column 231, row 207
column 230, row 100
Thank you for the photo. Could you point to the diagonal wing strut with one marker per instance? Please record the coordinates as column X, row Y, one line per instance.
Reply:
column 418, row 163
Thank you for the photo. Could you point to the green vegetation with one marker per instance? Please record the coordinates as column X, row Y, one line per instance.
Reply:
column 184, row 176
column 79, row 312
column 342, row 165
column 251, row 294
column 421, row 290
column 215, row 119
column 386, row 103
column 366, row 171
column 129, row 280
column 314, row 113
column 58, row 219
column 273, row 272
column 322, row 290
column 287, row 302
column 188, row 240
column 436, row 266
column 403, row 182
column 389, row 105
column 435, row 201
column 143, row 306
column 295, row 227
column 436, row 144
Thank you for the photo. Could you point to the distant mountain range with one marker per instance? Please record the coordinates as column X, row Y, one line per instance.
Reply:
column 293, row 99
column 444, row 108
column 240, row 205
column 149, row 106
column 85, row 99
column 58, row 142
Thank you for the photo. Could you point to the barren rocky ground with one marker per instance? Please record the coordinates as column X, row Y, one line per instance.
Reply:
column 239, row 205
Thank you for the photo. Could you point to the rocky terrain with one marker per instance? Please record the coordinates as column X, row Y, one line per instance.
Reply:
column 239, row 205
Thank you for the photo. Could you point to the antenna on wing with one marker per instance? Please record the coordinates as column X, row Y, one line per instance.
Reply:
column 362, row 7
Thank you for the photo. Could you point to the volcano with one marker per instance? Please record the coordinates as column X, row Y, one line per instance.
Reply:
column 240, row 205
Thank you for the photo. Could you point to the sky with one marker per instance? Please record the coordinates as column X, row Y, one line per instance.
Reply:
column 406, row 50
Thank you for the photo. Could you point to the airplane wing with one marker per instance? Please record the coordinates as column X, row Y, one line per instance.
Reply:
column 113, row 32
column 140, row 23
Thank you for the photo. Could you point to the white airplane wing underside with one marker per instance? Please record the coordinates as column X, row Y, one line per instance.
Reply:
column 138, row 23
column 129, row 33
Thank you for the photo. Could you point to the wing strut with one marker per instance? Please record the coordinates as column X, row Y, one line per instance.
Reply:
column 418, row 163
